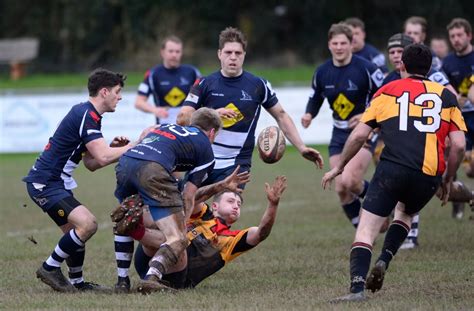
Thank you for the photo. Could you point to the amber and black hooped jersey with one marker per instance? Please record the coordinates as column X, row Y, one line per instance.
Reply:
column 415, row 116
column 348, row 89
column 212, row 244
column 460, row 72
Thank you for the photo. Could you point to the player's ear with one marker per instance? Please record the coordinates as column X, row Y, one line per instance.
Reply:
column 214, row 206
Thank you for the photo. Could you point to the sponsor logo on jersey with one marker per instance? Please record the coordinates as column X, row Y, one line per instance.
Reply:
column 343, row 106
column 165, row 83
column 183, row 81
column 175, row 97
column 61, row 213
column 245, row 96
column 352, row 86
column 217, row 94
column 164, row 134
column 192, row 98
column 148, row 140
column 228, row 122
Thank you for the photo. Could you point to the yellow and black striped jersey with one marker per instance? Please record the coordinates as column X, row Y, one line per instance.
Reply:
column 415, row 116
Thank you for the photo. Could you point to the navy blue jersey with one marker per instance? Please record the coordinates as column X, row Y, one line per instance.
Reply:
column 370, row 53
column 460, row 72
column 169, row 88
column 245, row 94
column 63, row 152
column 348, row 89
column 433, row 75
column 177, row 149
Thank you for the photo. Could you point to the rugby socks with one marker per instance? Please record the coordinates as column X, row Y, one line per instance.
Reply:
column 396, row 234
column 352, row 211
column 361, row 254
column 364, row 191
column 413, row 234
column 75, row 263
column 141, row 261
column 68, row 244
column 123, row 254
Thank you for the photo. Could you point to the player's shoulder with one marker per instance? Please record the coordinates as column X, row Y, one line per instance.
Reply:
column 358, row 61
column 189, row 68
column 450, row 59
column 253, row 79
column 371, row 49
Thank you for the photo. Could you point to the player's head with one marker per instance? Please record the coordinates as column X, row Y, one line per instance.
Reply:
column 439, row 45
column 395, row 46
column 357, row 27
column 231, row 53
column 171, row 51
column 226, row 205
column 106, row 87
column 460, row 35
column 207, row 120
column 417, row 59
column 339, row 43
column 415, row 27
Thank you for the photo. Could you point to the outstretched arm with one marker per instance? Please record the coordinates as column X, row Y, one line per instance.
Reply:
column 256, row 235
column 289, row 129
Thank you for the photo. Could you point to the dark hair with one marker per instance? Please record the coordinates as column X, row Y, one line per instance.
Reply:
column 101, row 78
column 206, row 119
column 417, row 20
column 417, row 59
column 339, row 29
column 171, row 38
column 460, row 23
column 355, row 22
column 219, row 195
column 231, row 34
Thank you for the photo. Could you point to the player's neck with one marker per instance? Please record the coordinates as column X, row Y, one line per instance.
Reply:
column 343, row 62
column 97, row 105
column 466, row 51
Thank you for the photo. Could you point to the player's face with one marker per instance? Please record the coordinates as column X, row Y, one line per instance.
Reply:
column 232, row 57
column 112, row 97
column 415, row 31
column 460, row 39
column 340, row 48
column 171, row 54
column 358, row 38
column 395, row 57
column 228, row 208
column 440, row 47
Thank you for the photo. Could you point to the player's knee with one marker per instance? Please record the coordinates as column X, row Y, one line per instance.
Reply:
column 87, row 228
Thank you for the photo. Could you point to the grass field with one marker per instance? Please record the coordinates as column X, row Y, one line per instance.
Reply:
column 302, row 264
column 300, row 75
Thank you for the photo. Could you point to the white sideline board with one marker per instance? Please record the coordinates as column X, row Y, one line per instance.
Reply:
column 27, row 121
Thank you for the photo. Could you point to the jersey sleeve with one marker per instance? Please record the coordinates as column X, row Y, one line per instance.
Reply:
column 379, row 61
column 316, row 99
column 236, row 246
column 457, row 121
column 194, row 98
column 203, row 168
column 145, row 86
column 376, row 78
column 438, row 77
column 90, row 127
column 269, row 96
column 369, row 117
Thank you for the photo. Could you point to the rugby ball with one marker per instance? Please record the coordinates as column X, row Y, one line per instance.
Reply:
column 271, row 144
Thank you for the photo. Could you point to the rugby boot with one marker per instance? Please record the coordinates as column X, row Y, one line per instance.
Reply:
column 352, row 297
column 375, row 280
column 55, row 279
column 130, row 221
column 123, row 285
column 93, row 287
column 151, row 284
column 130, row 202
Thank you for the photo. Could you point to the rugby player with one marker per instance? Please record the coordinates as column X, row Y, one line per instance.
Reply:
column 49, row 182
column 415, row 116
column 168, row 83
column 347, row 82
column 238, row 96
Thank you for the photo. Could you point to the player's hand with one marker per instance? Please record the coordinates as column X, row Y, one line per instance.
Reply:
column 354, row 120
column 275, row 191
column 235, row 179
column 306, row 120
column 329, row 177
column 445, row 190
column 119, row 141
column 226, row 113
column 161, row 112
column 147, row 131
column 462, row 100
column 313, row 155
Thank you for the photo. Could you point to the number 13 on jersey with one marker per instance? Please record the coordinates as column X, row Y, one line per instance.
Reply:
column 433, row 112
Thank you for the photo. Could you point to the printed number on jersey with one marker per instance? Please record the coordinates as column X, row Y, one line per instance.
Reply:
column 433, row 113
column 179, row 130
